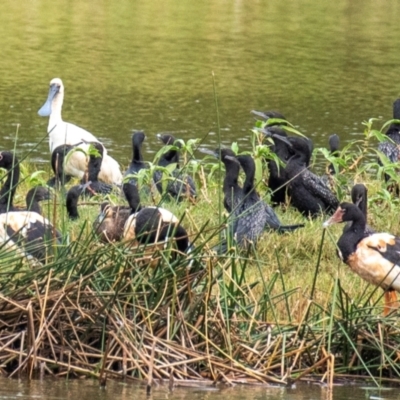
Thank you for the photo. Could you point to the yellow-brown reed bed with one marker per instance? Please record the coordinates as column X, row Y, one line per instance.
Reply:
column 105, row 313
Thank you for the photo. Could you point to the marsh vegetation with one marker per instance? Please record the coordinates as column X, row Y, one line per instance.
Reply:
column 281, row 310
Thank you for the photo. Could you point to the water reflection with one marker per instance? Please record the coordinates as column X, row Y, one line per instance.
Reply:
column 89, row 389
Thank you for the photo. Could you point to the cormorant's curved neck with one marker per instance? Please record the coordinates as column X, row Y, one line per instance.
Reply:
column 232, row 169
column 303, row 158
column 169, row 157
column 295, row 165
column 137, row 150
column 249, row 169
column 396, row 109
column 394, row 128
column 362, row 205
column 9, row 188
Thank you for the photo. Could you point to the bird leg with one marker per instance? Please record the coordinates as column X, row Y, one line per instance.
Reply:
column 91, row 190
column 391, row 302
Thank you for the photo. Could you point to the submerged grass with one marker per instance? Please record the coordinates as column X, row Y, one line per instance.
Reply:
column 280, row 312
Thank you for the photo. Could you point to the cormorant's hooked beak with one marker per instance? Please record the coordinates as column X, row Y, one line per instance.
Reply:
column 260, row 114
column 232, row 159
column 209, row 152
column 45, row 110
column 169, row 140
column 272, row 135
column 160, row 136
column 282, row 139
column 276, row 117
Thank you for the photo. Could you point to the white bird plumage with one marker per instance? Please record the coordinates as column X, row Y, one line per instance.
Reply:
column 61, row 133
column 28, row 233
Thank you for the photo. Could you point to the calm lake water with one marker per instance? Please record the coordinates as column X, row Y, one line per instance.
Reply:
column 148, row 65
column 89, row 390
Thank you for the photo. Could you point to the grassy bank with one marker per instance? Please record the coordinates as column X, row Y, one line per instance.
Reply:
column 282, row 311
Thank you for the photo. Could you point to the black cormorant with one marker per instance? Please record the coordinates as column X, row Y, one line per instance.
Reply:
column 179, row 184
column 276, row 179
column 254, row 214
column 249, row 214
column 390, row 148
column 308, row 192
column 282, row 147
column 271, row 114
column 233, row 192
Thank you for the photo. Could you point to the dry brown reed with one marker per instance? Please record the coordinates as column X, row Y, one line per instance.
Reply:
column 194, row 319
